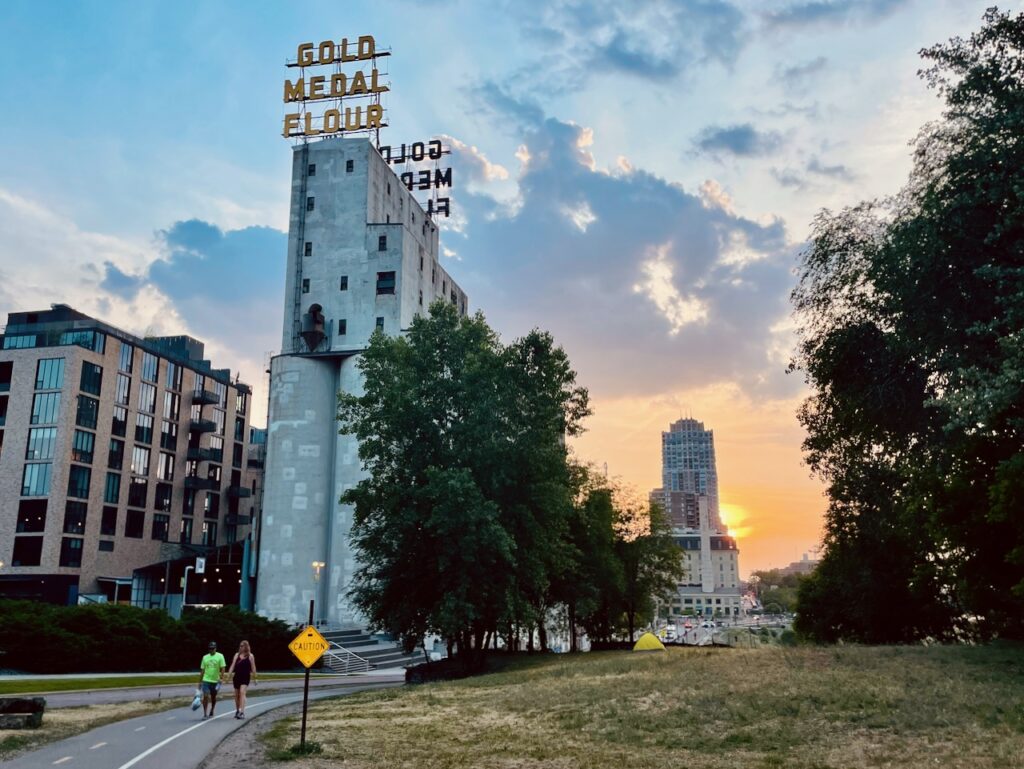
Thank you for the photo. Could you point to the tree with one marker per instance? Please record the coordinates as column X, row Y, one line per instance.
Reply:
column 912, row 319
column 651, row 561
column 460, row 525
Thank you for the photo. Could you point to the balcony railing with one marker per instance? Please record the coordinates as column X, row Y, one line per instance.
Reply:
column 239, row 491
column 197, row 482
column 202, row 425
column 237, row 520
column 205, row 397
column 205, row 455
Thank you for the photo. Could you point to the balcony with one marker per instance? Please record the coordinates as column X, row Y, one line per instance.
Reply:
column 254, row 463
column 197, row 482
column 205, row 397
column 237, row 520
column 201, row 426
column 205, row 455
column 239, row 491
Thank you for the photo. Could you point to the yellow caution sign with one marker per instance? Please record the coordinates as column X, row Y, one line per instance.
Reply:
column 309, row 646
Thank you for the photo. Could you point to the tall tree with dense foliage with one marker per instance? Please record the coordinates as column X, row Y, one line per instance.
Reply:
column 460, row 523
column 912, row 339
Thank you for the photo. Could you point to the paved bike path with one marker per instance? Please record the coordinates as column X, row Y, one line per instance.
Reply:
column 173, row 739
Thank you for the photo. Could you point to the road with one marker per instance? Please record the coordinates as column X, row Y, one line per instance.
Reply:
column 174, row 739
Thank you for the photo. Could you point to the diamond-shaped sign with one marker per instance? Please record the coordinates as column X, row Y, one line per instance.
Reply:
column 309, row 646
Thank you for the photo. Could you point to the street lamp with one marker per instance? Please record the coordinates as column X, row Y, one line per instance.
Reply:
column 317, row 566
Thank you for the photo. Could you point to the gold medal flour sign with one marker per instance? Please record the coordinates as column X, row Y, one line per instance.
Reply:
column 308, row 646
column 356, row 93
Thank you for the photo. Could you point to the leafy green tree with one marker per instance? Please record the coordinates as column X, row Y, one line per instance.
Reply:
column 651, row 561
column 461, row 523
column 912, row 320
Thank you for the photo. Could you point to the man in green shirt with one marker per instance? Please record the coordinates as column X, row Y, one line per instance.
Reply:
column 210, row 671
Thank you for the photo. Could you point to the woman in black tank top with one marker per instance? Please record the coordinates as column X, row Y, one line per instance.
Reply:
column 243, row 668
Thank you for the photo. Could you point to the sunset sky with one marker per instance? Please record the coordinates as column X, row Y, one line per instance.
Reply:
column 637, row 178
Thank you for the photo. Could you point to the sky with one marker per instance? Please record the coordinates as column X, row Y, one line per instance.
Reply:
column 638, row 178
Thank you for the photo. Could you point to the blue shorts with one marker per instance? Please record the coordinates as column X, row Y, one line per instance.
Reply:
column 209, row 687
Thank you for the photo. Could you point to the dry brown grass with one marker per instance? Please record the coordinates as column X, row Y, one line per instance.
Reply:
column 766, row 708
column 60, row 723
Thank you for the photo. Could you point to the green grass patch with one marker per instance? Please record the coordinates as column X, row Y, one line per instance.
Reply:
column 799, row 707
column 36, row 685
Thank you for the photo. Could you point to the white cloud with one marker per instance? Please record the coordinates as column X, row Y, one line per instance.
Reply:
column 659, row 287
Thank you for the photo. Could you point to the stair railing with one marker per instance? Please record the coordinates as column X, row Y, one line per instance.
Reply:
column 340, row 660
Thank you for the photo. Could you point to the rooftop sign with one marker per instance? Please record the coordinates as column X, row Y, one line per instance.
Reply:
column 355, row 93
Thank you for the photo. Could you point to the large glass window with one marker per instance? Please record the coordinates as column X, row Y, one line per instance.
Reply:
column 122, row 393
column 108, row 523
column 161, row 523
column 90, row 340
column 41, row 442
column 50, row 374
column 35, row 481
column 112, row 489
column 219, row 419
column 386, row 282
column 28, row 551
column 241, row 402
column 143, row 428
column 188, row 506
column 74, row 517
column 200, row 383
column 185, row 536
column 125, row 362
column 239, row 428
column 172, row 405
column 209, row 533
column 88, row 412
column 221, row 391
column 119, row 422
column 82, row 446
column 173, row 380
column 71, row 551
column 19, row 341
column 78, row 481
column 115, row 457
column 165, row 467
column 134, row 523
column 140, row 460
column 211, row 505
column 169, row 435
column 150, row 366
column 163, row 497
column 31, row 516
column 138, row 491
column 45, row 407
column 92, row 378
column 147, row 398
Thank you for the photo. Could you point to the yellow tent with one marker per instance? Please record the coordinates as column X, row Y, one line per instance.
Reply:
column 648, row 643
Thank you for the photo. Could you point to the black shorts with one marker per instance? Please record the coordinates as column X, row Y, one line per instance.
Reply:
column 240, row 682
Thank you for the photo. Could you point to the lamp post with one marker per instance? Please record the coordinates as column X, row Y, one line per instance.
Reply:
column 317, row 566
column 184, row 590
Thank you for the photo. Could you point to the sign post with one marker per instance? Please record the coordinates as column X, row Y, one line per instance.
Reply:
column 308, row 646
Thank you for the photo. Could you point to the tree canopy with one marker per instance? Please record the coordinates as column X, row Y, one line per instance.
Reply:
column 911, row 312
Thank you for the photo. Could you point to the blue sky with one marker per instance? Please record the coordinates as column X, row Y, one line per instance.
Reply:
column 636, row 177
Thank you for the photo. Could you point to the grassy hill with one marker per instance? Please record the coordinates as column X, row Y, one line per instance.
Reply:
column 791, row 708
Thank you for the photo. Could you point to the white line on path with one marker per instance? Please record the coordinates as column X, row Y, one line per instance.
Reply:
column 97, row 745
column 62, row 760
column 173, row 737
column 140, row 728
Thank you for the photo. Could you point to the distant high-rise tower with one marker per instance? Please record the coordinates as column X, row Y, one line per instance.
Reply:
column 688, row 472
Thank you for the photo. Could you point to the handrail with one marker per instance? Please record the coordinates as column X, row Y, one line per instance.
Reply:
column 340, row 660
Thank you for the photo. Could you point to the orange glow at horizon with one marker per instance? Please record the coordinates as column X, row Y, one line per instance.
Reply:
column 767, row 497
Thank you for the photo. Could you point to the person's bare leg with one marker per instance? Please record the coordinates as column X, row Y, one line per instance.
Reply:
column 238, row 700
column 213, row 701
column 241, row 698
